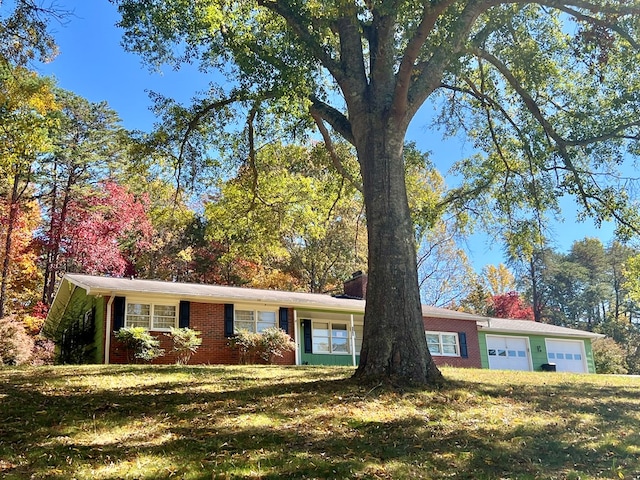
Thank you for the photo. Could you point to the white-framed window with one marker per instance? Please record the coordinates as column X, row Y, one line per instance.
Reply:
column 330, row 337
column 256, row 321
column 358, row 329
column 151, row 316
column 443, row 344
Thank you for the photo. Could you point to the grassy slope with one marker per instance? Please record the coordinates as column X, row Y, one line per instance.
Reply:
column 312, row 422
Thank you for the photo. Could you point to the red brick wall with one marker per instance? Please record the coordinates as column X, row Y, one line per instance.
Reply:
column 356, row 286
column 451, row 325
column 208, row 319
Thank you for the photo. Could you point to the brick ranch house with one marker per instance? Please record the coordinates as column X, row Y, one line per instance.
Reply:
column 327, row 330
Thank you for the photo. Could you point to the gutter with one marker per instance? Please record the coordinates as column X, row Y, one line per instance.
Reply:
column 571, row 333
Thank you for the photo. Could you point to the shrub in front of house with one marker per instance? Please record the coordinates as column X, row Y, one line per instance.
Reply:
column 247, row 344
column 274, row 343
column 140, row 345
column 185, row 343
column 262, row 347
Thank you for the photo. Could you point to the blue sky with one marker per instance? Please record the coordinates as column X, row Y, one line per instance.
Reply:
column 93, row 64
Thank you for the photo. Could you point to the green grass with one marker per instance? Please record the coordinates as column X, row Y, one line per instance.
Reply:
column 143, row 422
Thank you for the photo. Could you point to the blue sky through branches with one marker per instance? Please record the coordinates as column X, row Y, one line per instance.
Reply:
column 93, row 64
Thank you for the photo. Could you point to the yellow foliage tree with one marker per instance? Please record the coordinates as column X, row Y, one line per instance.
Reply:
column 25, row 119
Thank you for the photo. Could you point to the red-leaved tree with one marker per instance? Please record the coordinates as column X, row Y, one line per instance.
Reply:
column 106, row 230
column 510, row 305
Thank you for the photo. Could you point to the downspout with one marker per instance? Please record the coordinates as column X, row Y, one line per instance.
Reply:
column 107, row 339
column 296, row 336
column 353, row 342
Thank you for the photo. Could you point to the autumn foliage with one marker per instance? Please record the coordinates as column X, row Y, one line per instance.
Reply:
column 23, row 274
column 510, row 305
column 104, row 231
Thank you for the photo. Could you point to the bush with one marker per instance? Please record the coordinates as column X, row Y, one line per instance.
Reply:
column 140, row 344
column 609, row 356
column 185, row 343
column 16, row 345
column 265, row 346
column 247, row 344
column 33, row 325
column 274, row 343
column 43, row 352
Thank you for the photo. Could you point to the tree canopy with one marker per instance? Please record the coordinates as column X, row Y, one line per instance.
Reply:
column 547, row 90
column 25, row 31
column 26, row 104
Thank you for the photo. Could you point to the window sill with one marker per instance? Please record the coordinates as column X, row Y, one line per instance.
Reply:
column 333, row 353
column 159, row 330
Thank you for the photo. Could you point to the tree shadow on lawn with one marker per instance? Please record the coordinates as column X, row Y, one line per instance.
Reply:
column 316, row 429
column 620, row 404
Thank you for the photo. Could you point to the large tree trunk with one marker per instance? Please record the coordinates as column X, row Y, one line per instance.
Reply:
column 394, row 344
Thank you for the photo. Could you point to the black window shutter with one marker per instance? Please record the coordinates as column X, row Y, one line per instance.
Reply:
column 228, row 320
column 184, row 313
column 119, row 306
column 306, row 332
column 284, row 319
column 462, row 338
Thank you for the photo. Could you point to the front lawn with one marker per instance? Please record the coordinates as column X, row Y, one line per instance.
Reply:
column 150, row 422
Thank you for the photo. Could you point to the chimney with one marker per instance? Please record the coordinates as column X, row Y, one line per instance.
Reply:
column 356, row 286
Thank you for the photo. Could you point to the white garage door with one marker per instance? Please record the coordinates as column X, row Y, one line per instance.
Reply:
column 568, row 355
column 508, row 353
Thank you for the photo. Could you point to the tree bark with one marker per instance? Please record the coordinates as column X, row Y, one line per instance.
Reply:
column 57, row 226
column 394, row 343
column 14, row 209
column 535, row 296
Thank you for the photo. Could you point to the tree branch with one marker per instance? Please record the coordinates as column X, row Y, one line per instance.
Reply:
column 616, row 8
column 428, row 74
column 353, row 78
column 338, row 121
column 198, row 116
column 335, row 158
column 596, row 21
column 412, row 51
column 298, row 24
column 534, row 109
column 561, row 145
column 252, row 154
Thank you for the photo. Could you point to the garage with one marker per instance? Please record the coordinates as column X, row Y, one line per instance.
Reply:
column 568, row 355
column 508, row 353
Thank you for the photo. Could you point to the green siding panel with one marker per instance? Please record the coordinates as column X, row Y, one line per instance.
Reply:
column 98, row 339
column 484, row 357
column 78, row 305
column 538, row 349
column 327, row 359
column 589, row 352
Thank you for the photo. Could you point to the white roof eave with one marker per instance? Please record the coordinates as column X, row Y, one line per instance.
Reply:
column 110, row 286
column 215, row 293
column 485, row 326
